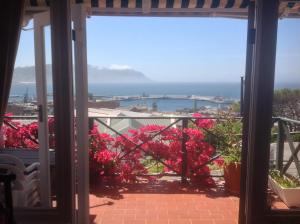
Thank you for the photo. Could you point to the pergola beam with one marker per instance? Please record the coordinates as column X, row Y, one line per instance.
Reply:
column 81, row 84
column 260, row 111
column 246, row 105
column 40, row 20
column 60, row 17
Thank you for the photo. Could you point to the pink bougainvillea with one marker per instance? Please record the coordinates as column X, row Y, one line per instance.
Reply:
column 203, row 123
column 166, row 147
column 111, row 157
column 119, row 158
column 18, row 135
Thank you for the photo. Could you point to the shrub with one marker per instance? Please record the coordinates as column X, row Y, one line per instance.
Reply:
column 120, row 159
column 228, row 137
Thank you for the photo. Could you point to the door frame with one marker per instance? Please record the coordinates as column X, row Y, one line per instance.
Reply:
column 79, row 205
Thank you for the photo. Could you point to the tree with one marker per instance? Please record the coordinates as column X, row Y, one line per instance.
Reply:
column 236, row 107
column 286, row 103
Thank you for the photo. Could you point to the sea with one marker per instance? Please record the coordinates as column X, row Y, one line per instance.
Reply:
column 226, row 90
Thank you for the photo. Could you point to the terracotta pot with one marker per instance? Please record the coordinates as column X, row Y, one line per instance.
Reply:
column 232, row 176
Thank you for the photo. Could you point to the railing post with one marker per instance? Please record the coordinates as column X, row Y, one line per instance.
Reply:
column 184, row 151
column 242, row 97
column 91, row 123
column 280, row 146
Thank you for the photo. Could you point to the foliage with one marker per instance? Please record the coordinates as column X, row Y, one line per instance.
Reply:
column 18, row 135
column 274, row 133
column 165, row 148
column 296, row 137
column 228, row 137
column 284, row 181
column 236, row 107
column 15, row 134
column 286, row 103
column 118, row 158
column 114, row 155
column 152, row 165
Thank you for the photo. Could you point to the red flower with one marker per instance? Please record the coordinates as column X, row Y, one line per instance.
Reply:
column 219, row 162
column 203, row 123
column 121, row 159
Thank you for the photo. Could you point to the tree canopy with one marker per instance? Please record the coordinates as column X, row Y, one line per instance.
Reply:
column 286, row 103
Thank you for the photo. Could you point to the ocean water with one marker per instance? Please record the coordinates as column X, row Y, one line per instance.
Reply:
column 228, row 90
column 118, row 89
column 201, row 89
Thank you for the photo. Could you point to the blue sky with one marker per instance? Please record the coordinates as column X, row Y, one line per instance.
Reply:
column 177, row 49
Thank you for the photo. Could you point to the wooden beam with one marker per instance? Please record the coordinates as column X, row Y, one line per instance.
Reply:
column 60, row 17
column 242, row 97
column 248, row 71
column 146, row 6
column 177, row 4
column 280, row 146
column 82, row 121
column 162, row 4
column 192, row 4
column 131, row 4
column 207, row 4
column 40, row 20
column 117, row 4
column 260, row 111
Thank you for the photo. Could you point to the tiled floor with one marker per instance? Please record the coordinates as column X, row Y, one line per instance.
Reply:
column 163, row 203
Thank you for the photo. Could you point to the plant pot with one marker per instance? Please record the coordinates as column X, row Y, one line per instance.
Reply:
column 290, row 196
column 232, row 176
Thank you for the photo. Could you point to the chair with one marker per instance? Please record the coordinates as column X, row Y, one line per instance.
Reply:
column 6, row 204
column 25, row 189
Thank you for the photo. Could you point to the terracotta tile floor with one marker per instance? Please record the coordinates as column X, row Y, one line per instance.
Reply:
column 162, row 203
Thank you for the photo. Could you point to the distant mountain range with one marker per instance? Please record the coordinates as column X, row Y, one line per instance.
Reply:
column 95, row 75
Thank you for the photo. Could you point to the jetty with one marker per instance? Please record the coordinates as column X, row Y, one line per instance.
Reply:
column 212, row 99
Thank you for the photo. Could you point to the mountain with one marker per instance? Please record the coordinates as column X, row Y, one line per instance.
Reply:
column 109, row 75
column 95, row 75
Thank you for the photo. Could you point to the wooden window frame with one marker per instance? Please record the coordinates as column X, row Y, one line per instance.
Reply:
column 60, row 17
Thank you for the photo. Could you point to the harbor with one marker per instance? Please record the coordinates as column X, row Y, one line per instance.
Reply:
column 211, row 99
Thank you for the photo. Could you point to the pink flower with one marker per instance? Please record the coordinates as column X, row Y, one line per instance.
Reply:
column 121, row 159
column 203, row 123
column 219, row 162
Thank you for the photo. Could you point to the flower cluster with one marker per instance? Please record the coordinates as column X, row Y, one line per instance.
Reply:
column 114, row 157
column 120, row 155
column 121, row 158
column 15, row 134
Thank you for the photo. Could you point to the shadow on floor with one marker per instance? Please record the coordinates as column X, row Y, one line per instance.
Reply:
column 92, row 219
column 160, row 187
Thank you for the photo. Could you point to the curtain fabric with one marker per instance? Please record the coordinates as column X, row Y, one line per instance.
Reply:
column 11, row 16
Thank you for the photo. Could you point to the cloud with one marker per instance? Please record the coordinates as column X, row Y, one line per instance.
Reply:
column 119, row 67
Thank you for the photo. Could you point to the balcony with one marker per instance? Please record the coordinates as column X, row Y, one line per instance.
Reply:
column 167, row 188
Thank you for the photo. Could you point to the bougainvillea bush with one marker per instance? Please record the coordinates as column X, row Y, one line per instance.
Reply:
column 119, row 159
column 15, row 134
column 120, row 155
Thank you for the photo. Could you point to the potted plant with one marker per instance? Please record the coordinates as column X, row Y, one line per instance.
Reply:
column 286, row 187
column 228, row 142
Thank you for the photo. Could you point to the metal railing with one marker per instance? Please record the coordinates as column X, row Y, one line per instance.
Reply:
column 7, row 122
column 285, row 134
column 181, row 121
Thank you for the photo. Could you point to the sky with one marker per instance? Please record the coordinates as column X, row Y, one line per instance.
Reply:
column 176, row 49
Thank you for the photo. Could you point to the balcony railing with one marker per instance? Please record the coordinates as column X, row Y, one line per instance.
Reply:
column 181, row 122
column 285, row 158
column 286, row 129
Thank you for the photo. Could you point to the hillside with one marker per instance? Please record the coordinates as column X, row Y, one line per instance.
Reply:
column 95, row 75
